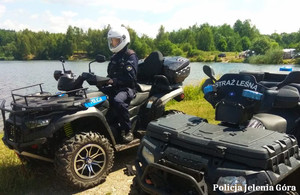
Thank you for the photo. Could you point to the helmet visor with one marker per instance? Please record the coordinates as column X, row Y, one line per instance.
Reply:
column 114, row 42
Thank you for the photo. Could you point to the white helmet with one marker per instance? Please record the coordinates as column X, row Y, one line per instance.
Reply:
column 123, row 37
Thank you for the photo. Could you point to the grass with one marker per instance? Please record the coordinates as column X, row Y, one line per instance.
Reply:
column 10, row 170
column 194, row 103
column 17, row 178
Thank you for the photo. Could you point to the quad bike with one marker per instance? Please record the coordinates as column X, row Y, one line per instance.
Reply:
column 76, row 129
column 253, row 150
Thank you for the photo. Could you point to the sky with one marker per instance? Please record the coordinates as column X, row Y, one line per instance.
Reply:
column 146, row 16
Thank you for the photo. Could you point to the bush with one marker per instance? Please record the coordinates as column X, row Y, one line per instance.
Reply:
column 192, row 92
column 259, row 59
column 274, row 57
column 178, row 52
column 194, row 52
column 200, row 59
column 271, row 57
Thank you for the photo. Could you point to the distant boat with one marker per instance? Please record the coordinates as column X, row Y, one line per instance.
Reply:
column 285, row 68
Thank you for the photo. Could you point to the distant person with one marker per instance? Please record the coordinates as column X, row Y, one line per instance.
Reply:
column 122, row 71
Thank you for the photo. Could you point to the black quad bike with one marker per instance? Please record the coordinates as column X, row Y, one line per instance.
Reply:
column 253, row 150
column 76, row 129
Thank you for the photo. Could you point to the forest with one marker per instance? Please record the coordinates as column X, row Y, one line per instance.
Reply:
column 192, row 42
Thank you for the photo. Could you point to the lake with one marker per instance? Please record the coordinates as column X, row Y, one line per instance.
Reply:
column 16, row 74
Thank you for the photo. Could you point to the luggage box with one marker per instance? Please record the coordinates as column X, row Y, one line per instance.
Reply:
column 176, row 69
column 258, row 148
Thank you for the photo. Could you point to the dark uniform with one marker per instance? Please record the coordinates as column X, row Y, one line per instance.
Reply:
column 122, row 69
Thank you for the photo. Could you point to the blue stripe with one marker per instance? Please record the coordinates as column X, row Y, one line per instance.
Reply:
column 94, row 101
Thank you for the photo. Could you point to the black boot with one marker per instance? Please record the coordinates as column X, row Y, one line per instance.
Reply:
column 128, row 137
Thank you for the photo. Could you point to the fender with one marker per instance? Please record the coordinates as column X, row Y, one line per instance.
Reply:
column 167, row 97
column 90, row 112
column 162, row 99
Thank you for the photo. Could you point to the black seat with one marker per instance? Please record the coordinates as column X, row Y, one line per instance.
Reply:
column 152, row 65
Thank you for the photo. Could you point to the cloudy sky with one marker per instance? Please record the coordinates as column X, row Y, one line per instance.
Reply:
column 145, row 17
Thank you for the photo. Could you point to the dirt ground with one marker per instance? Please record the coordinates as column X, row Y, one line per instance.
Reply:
column 117, row 182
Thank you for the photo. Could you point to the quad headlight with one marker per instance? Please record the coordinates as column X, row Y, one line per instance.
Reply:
column 37, row 123
column 231, row 184
column 148, row 155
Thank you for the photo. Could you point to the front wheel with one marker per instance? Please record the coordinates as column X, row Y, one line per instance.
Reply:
column 84, row 160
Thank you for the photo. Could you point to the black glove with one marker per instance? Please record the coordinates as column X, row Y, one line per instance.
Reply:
column 110, row 82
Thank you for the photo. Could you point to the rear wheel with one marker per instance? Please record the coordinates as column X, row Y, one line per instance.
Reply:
column 84, row 160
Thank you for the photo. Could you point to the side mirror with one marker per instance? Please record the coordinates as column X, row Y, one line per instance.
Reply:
column 62, row 59
column 57, row 74
column 100, row 58
column 209, row 72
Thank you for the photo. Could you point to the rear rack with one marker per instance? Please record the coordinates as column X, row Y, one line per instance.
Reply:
column 14, row 95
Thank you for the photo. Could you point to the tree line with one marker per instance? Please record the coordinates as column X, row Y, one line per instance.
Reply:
column 189, row 42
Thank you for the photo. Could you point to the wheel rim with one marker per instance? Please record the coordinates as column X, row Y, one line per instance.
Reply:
column 89, row 161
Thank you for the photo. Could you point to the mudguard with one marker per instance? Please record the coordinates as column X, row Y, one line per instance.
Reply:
column 161, row 99
column 90, row 112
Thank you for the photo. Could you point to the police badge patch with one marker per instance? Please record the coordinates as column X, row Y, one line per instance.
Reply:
column 128, row 68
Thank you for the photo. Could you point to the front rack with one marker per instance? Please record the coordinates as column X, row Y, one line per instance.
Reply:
column 14, row 95
column 26, row 108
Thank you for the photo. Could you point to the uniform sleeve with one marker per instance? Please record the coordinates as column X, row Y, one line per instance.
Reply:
column 130, row 70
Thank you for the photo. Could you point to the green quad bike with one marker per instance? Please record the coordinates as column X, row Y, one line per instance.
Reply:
column 76, row 130
column 254, row 150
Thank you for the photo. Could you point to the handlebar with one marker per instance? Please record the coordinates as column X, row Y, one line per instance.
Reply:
column 244, row 89
column 236, row 97
column 93, row 79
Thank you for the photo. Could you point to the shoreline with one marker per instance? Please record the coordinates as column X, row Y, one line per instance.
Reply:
column 285, row 62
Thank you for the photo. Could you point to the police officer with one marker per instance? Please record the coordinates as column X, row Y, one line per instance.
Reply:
column 122, row 71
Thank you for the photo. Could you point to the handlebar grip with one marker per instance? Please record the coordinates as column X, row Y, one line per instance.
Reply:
column 252, row 94
column 209, row 88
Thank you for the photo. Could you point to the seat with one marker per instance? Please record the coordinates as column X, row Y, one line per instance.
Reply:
column 272, row 122
column 152, row 65
column 140, row 97
column 143, row 87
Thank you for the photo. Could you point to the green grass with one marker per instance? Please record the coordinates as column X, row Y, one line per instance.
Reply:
column 18, row 178
column 194, row 103
column 10, row 170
